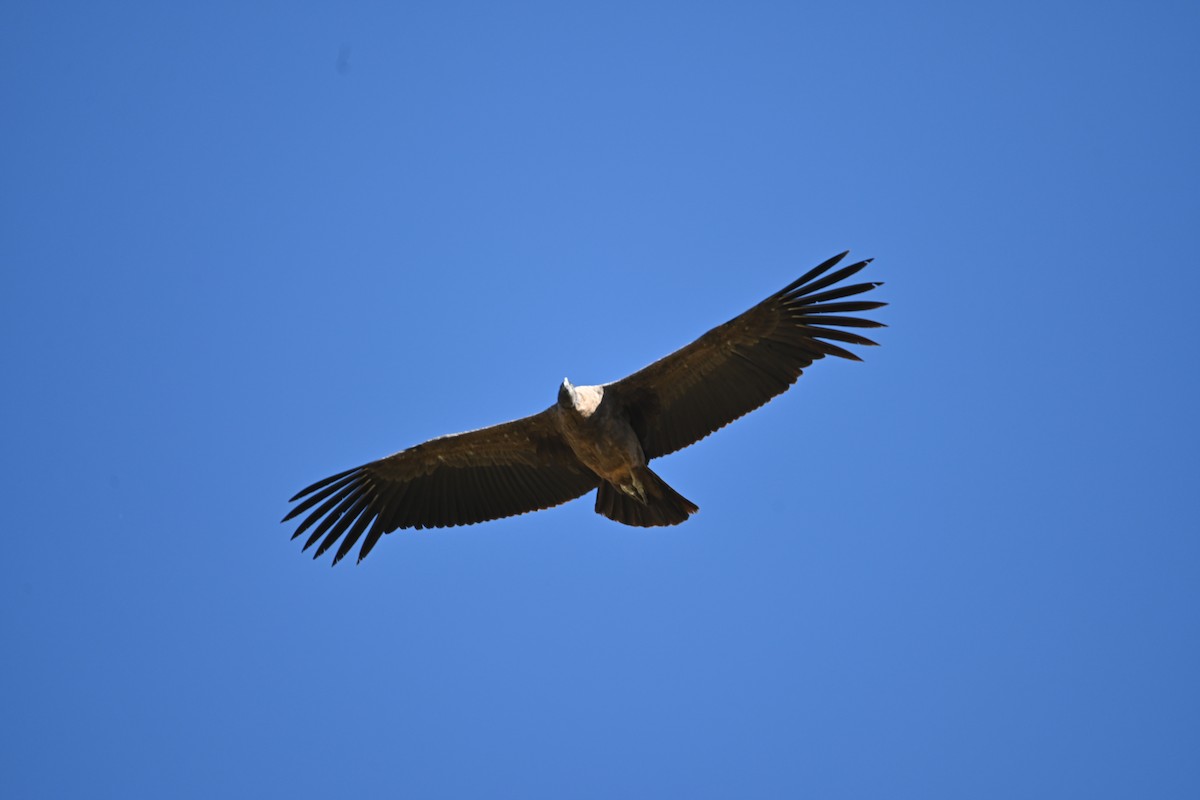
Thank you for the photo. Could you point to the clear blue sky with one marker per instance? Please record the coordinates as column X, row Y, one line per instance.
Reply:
column 248, row 245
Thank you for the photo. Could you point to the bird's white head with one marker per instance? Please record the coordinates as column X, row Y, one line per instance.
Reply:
column 580, row 400
column 566, row 394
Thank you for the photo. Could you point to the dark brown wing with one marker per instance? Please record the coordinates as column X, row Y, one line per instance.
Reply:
column 507, row 469
column 737, row 367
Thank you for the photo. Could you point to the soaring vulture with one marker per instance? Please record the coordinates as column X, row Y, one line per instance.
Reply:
column 596, row 437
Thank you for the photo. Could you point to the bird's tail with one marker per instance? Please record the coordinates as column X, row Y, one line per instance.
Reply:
column 663, row 506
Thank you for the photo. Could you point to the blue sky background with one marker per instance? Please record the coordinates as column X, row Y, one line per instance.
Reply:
column 247, row 245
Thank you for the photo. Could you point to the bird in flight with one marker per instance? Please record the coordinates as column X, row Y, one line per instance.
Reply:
column 596, row 437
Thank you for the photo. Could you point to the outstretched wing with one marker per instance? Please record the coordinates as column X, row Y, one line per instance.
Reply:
column 507, row 469
column 739, row 366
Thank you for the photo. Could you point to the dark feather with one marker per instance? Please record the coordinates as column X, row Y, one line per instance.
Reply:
column 737, row 367
column 819, row 269
column 328, row 506
column 463, row 479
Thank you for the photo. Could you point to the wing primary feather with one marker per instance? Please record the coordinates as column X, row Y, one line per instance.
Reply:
column 321, row 483
column 843, row 308
column 369, row 514
column 835, row 334
column 834, row 350
column 325, row 508
column 344, row 521
column 831, row 278
column 812, row 273
column 841, row 291
column 396, row 506
column 385, row 512
column 348, row 522
column 373, row 537
column 331, row 518
column 313, row 499
column 845, row 322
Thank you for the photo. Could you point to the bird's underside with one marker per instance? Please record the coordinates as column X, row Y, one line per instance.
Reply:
column 596, row 437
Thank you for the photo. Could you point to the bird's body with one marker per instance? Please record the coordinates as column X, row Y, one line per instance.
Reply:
column 596, row 437
column 595, row 424
column 598, row 434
